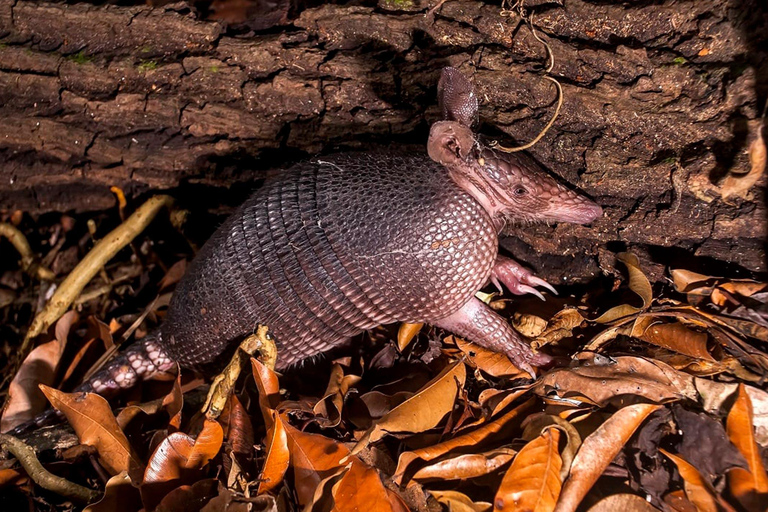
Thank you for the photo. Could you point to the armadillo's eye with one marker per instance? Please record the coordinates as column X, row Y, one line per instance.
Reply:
column 520, row 191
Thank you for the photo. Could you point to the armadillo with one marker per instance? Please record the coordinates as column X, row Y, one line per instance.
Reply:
column 343, row 243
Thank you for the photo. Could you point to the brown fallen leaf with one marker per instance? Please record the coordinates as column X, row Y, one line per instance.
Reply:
column 687, row 281
column 493, row 363
column 315, row 458
column 559, row 327
column 608, row 381
column 360, row 488
column 25, row 400
column 278, row 457
column 177, row 461
column 189, row 497
column 423, row 411
column 238, row 429
column 492, row 429
column 466, row 466
column 459, row 502
column 624, row 503
column 679, row 502
column 598, row 450
column 696, row 488
column 329, row 407
column 91, row 417
column 269, row 388
column 638, row 283
column 679, row 338
column 119, row 496
column 172, row 403
column 533, row 481
column 528, row 324
column 536, row 424
column 406, row 333
column 750, row 488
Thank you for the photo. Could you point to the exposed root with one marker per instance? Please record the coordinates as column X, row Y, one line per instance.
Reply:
column 29, row 262
column 518, row 7
column 25, row 454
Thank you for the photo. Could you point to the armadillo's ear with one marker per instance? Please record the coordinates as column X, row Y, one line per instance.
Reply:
column 450, row 143
column 457, row 97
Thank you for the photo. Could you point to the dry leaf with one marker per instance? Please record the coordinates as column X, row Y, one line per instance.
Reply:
column 493, row 363
column 269, row 388
column 422, row 411
column 624, row 503
column 601, row 383
column 598, row 450
column 119, row 496
column 466, row 466
column 329, row 407
column 696, row 488
column 315, row 458
column 458, row 502
column 360, row 489
column 406, row 333
column 177, row 461
column 91, row 417
column 278, row 458
column 638, row 283
column 560, row 326
column 749, row 487
column 25, row 400
column 679, row 338
column 533, row 481
column 490, row 430
column 687, row 281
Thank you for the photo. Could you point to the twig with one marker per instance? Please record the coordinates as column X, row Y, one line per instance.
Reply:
column 25, row 454
column 29, row 262
column 551, row 59
column 224, row 383
column 101, row 253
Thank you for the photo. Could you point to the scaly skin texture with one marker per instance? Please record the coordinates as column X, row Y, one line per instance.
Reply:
column 307, row 256
column 347, row 242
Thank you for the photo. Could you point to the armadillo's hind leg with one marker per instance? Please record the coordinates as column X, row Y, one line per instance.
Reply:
column 139, row 361
column 479, row 324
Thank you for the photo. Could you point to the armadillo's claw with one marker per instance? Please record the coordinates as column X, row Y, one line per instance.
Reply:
column 517, row 278
column 537, row 281
column 524, row 288
column 527, row 368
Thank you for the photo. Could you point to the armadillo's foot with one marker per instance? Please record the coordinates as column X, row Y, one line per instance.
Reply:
column 518, row 279
column 479, row 324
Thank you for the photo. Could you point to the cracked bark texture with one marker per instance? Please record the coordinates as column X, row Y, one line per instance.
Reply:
column 660, row 100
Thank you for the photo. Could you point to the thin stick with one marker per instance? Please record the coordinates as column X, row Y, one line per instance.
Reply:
column 25, row 454
column 551, row 59
column 101, row 253
column 29, row 262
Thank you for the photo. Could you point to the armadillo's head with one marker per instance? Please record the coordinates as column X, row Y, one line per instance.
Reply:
column 511, row 186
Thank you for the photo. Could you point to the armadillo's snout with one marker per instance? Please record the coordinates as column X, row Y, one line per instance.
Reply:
column 577, row 209
column 591, row 211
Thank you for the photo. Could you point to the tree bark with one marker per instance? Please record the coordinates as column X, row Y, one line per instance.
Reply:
column 661, row 99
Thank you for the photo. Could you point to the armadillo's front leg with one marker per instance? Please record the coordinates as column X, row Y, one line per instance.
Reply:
column 479, row 324
column 518, row 279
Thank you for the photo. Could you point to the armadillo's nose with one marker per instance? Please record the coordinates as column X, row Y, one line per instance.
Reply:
column 592, row 211
column 577, row 209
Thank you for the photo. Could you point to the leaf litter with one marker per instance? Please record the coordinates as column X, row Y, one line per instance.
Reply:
column 657, row 402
